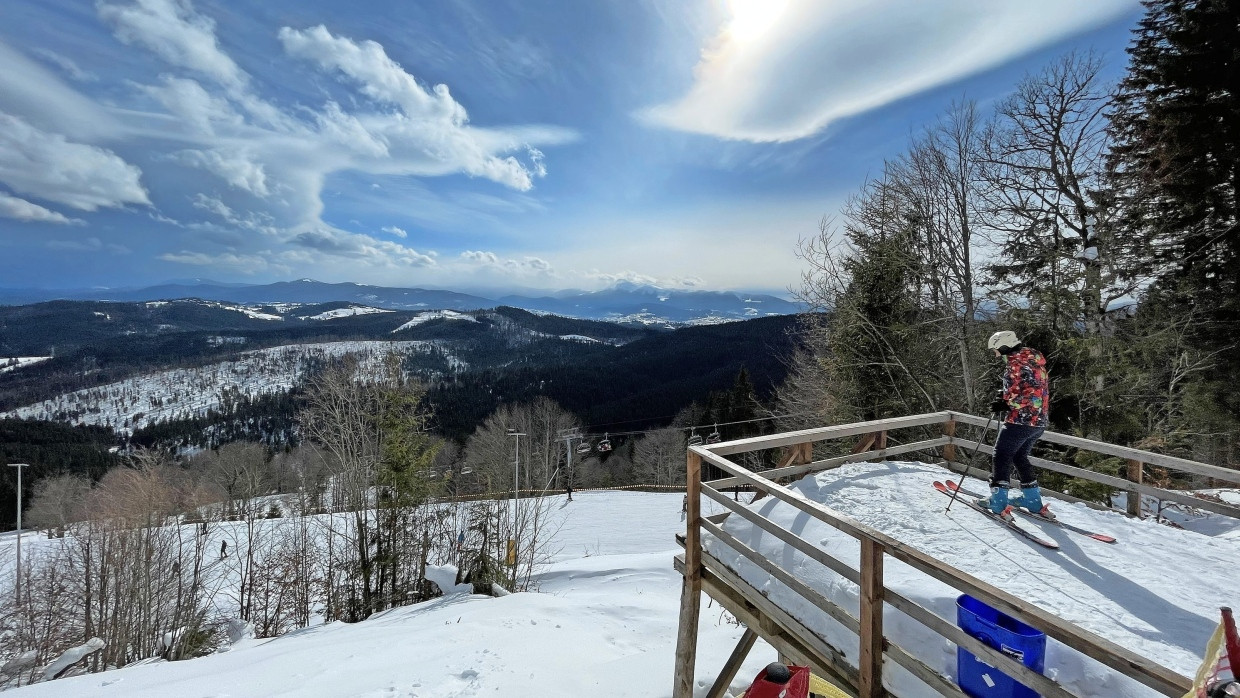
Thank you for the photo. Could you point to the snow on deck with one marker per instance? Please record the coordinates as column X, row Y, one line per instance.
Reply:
column 1156, row 592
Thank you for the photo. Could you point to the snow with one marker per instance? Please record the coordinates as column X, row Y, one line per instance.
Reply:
column 1156, row 592
column 604, row 619
column 150, row 398
column 434, row 315
column 346, row 312
column 248, row 312
column 579, row 338
column 5, row 364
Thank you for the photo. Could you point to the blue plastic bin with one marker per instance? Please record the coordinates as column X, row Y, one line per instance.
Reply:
column 1004, row 633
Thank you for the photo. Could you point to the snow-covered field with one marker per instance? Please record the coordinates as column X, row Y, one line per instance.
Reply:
column 18, row 361
column 143, row 400
column 604, row 621
column 345, row 312
column 421, row 318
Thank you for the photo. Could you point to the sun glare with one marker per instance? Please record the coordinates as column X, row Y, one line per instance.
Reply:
column 752, row 18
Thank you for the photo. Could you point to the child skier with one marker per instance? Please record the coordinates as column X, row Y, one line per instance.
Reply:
column 1023, row 410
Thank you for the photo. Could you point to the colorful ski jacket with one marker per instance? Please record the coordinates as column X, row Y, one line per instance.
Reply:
column 1026, row 388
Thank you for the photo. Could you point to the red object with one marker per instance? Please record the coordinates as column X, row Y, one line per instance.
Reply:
column 768, row 684
column 1231, row 640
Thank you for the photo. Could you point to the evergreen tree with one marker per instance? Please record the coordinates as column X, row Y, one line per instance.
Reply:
column 1176, row 174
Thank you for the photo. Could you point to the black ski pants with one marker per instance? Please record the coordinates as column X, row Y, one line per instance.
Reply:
column 1012, row 447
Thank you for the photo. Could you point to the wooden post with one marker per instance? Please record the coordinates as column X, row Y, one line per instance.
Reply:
column 1134, row 497
column 733, row 664
column 949, row 450
column 870, row 663
column 865, row 442
column 881, row 442
column 691, row 589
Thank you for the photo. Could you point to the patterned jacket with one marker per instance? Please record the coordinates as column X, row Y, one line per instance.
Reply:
column 1026, row 388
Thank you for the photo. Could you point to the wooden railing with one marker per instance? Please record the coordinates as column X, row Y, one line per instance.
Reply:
column 791, row 637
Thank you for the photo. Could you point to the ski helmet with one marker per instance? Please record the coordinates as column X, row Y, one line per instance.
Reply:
column 1002, row 340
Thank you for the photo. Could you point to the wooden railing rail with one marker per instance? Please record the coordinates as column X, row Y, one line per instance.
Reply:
column 875, row 546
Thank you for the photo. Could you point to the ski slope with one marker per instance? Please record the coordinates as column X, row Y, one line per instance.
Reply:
column 604, row 620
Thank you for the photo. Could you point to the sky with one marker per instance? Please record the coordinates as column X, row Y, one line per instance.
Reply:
column 477, row 144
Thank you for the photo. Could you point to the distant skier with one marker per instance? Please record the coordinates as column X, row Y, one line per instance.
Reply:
column 568, row 489
column 223, row 549
column 1023, row 409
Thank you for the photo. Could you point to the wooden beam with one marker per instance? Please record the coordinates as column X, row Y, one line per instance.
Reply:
column 1125, row 452
column 949, row 449
column 691, row 588
column 730, row 667
column 757, row 443
column 1120, row 483
column 1134, row 497
column 805, row 591
column 801, row 545
column 928, row 676
column 828, row 463
column 865, row 443
column 1146, row 671
column 870, row 663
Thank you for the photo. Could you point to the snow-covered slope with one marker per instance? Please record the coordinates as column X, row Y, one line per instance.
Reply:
column 604, row 622
column 136, row 402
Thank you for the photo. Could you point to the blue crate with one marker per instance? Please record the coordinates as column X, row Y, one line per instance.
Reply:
column 1004, row 633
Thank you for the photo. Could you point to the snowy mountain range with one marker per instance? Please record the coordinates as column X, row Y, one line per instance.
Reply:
column 622, row 302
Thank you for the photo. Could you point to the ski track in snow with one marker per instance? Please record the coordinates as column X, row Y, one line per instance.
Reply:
column 154, row 397
column 604, row 622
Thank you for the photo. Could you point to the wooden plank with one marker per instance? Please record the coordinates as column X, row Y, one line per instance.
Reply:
column 870, row 663
column 865, row 443
column 1135, row 469
column 1120, row 483
column 949, row 449
column 755, row 610
column 730, row 667
column 1144, row 670
column 784, row 577
column 799, row 544
column 1125, row 452
column 691, row 587
column 1017, row 670
column 757, row 443
column 928, row 676
column 828, row 463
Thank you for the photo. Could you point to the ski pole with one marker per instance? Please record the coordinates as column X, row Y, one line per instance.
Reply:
column 972, row 457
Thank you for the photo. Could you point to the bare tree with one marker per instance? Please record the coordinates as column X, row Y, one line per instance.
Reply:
column 659, row 457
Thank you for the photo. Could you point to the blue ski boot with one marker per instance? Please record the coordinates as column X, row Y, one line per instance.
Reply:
column 1031, row 500
column 997, row 503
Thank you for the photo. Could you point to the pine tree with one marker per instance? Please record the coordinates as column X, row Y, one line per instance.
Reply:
column 1175, row 169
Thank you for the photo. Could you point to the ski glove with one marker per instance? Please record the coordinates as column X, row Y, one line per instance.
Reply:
column 1000, row 406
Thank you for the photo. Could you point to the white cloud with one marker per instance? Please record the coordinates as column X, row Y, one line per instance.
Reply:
column 175, row 32
column 22, row 210
column 90, row 244
column 377, row 252
column 524, row 266
column 235, row 166
column 48, row 166
column 66, row 65
column 242, row 263
column 781, row 71
column 397, row 231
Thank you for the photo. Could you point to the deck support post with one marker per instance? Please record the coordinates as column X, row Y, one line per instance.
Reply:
column 733, row 664
column 870, row 662
column 691, row 588
column 949, row 450
column 1135, row 468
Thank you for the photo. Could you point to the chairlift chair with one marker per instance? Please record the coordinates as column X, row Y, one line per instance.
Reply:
column 714, row 436
column 584, row 448
column 605, row 445
column 694, row 439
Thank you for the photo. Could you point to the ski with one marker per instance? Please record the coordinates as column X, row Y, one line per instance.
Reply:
column 1010, row 525
column 1066, row 526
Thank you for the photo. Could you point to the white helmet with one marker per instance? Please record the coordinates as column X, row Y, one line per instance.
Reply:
column 1002, row 340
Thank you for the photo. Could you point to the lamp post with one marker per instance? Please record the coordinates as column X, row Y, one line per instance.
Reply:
column 516, row 466
column 19, row 467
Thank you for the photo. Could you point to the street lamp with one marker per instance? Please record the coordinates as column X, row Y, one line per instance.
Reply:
column 19, row 467
column 516, row 465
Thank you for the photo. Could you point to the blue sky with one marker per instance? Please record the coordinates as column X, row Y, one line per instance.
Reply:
column 477, row 143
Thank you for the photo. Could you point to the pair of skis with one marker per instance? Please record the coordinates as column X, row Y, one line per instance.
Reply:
column 969, row 497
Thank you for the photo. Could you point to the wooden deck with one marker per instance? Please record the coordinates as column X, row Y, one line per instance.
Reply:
column 934, row 433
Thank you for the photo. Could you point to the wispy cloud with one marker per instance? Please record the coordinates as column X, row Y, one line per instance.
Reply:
column 395, row 231
column 90, row 244
column 49, row 166
column 781, row 70
column 22, row 210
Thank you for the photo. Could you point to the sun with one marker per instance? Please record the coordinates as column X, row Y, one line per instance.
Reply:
column 752, row 18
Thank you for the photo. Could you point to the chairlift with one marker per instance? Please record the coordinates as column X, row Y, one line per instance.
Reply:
column 584, row 448
column 694, row 439
column 714, row 436
column 605, row 445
